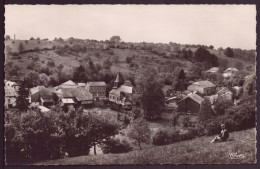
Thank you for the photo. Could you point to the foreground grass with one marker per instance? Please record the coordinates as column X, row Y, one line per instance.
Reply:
column 196, row 151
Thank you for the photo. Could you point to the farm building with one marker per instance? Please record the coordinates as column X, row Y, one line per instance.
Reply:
column 97, row 89
column 190, row 104
column 41, row 95
column 11, row 93
column 203, row 87
column 74, row 96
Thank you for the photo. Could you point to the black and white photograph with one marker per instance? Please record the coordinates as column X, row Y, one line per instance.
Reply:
column 130, row 84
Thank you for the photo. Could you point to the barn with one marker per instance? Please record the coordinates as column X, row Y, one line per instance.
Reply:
column 190, row 104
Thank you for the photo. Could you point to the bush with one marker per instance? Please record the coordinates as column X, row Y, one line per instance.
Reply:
column 169, row 135
column 161, row 138
column 115, row 146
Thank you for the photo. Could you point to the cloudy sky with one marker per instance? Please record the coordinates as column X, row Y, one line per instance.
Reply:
column 217, row 25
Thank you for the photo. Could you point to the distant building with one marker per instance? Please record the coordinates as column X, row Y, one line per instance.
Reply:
column 190, row 104
column 212, row 70
column 203, row 87
column 41, row 95
column 229, row 72
column 97, row 89
column 11, row 93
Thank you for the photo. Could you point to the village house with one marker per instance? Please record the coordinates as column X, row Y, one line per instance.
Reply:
column 74, row 97
column 190, row 104
column 121, row 95
column 11, row 93
column 41, row 95
column 229, row 72
column 97, row 89
column 203, row 87
column 225, row 94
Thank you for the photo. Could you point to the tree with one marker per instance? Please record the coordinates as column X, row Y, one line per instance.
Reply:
column 107, row 64
column 205, row 110
column 115, row 59
column 22, row 99
column 115, row 39
column 229, row 52
column 7, row 37
column 43, row 79
column 221, row 105
column 140, row 131
column 20, row 47
column 211, row 47
column 128, row 59
column 152, row 97
column 32, row 78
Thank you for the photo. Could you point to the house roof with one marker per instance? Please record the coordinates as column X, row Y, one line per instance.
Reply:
column 213, row 70
column 82, row 84
column 69, row 82
column 194, row 97
column 231, row 69
column 67, row 101
column 204, row 83
column 79, row 93
column 122, row 88
column 43, row 109
column 224, row 90
column 101, row 83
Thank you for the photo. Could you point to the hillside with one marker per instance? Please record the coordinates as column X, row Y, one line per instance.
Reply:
column 196, row 151
column 94, row 50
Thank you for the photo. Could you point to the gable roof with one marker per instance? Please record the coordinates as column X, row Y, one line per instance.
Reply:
column 101, row 83
column 69, row 83
column 204, row 83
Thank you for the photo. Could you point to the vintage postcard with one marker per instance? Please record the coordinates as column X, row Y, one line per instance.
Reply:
column 130, row 84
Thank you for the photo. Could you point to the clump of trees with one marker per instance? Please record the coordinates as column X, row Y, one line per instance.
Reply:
column 33, row 136
column 115, row 146
column 203, row 55
column 229, row 52
column 152, row 95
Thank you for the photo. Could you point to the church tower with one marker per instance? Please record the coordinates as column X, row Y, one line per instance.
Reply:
column 116, row 82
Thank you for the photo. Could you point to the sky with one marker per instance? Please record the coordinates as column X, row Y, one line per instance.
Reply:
column 218, row 25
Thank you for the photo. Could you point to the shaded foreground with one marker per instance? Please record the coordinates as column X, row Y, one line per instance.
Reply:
column 239, row 149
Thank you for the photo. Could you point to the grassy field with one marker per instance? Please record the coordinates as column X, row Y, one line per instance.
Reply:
column 196, row 151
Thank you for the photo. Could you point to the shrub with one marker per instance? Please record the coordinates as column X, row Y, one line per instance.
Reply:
column 115, row 146
column 161, row 138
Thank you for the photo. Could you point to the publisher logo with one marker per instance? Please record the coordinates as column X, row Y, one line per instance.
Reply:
column 236, row 156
